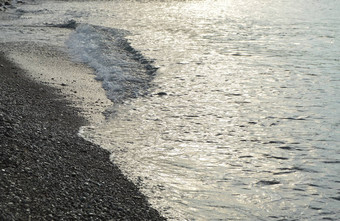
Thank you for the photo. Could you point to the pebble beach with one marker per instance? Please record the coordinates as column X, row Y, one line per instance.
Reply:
column 47, row 171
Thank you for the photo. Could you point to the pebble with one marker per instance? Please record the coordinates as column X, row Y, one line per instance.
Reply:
column 162, row 93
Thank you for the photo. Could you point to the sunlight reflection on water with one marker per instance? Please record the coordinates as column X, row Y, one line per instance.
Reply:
column 250, row 116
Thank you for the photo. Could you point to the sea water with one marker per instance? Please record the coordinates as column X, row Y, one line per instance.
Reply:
column 224, row 110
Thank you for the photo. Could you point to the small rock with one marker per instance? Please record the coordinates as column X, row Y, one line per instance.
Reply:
column 162, row 93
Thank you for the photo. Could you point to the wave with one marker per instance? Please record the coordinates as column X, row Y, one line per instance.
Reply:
column 125, row 73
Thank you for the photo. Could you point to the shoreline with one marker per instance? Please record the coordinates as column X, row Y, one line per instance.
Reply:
column 46, row 170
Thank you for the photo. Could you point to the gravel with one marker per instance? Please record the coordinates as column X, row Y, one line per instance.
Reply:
column 48, row 172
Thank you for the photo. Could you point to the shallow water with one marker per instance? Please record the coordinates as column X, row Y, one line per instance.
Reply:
column 249, row 126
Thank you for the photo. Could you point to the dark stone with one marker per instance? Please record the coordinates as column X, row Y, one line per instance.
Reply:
column 162, row 93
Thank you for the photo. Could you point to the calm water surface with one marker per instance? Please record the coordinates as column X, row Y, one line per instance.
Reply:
column 249, row 126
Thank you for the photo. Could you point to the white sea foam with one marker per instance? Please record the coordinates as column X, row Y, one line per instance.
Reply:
column 123, row 70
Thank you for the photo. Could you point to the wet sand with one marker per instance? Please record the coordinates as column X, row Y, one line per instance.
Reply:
column 48, row 172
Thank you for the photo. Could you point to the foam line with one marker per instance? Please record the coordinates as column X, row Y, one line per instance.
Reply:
column 124, row 72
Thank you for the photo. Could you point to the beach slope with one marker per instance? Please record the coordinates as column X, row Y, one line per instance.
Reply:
column 48, row 172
